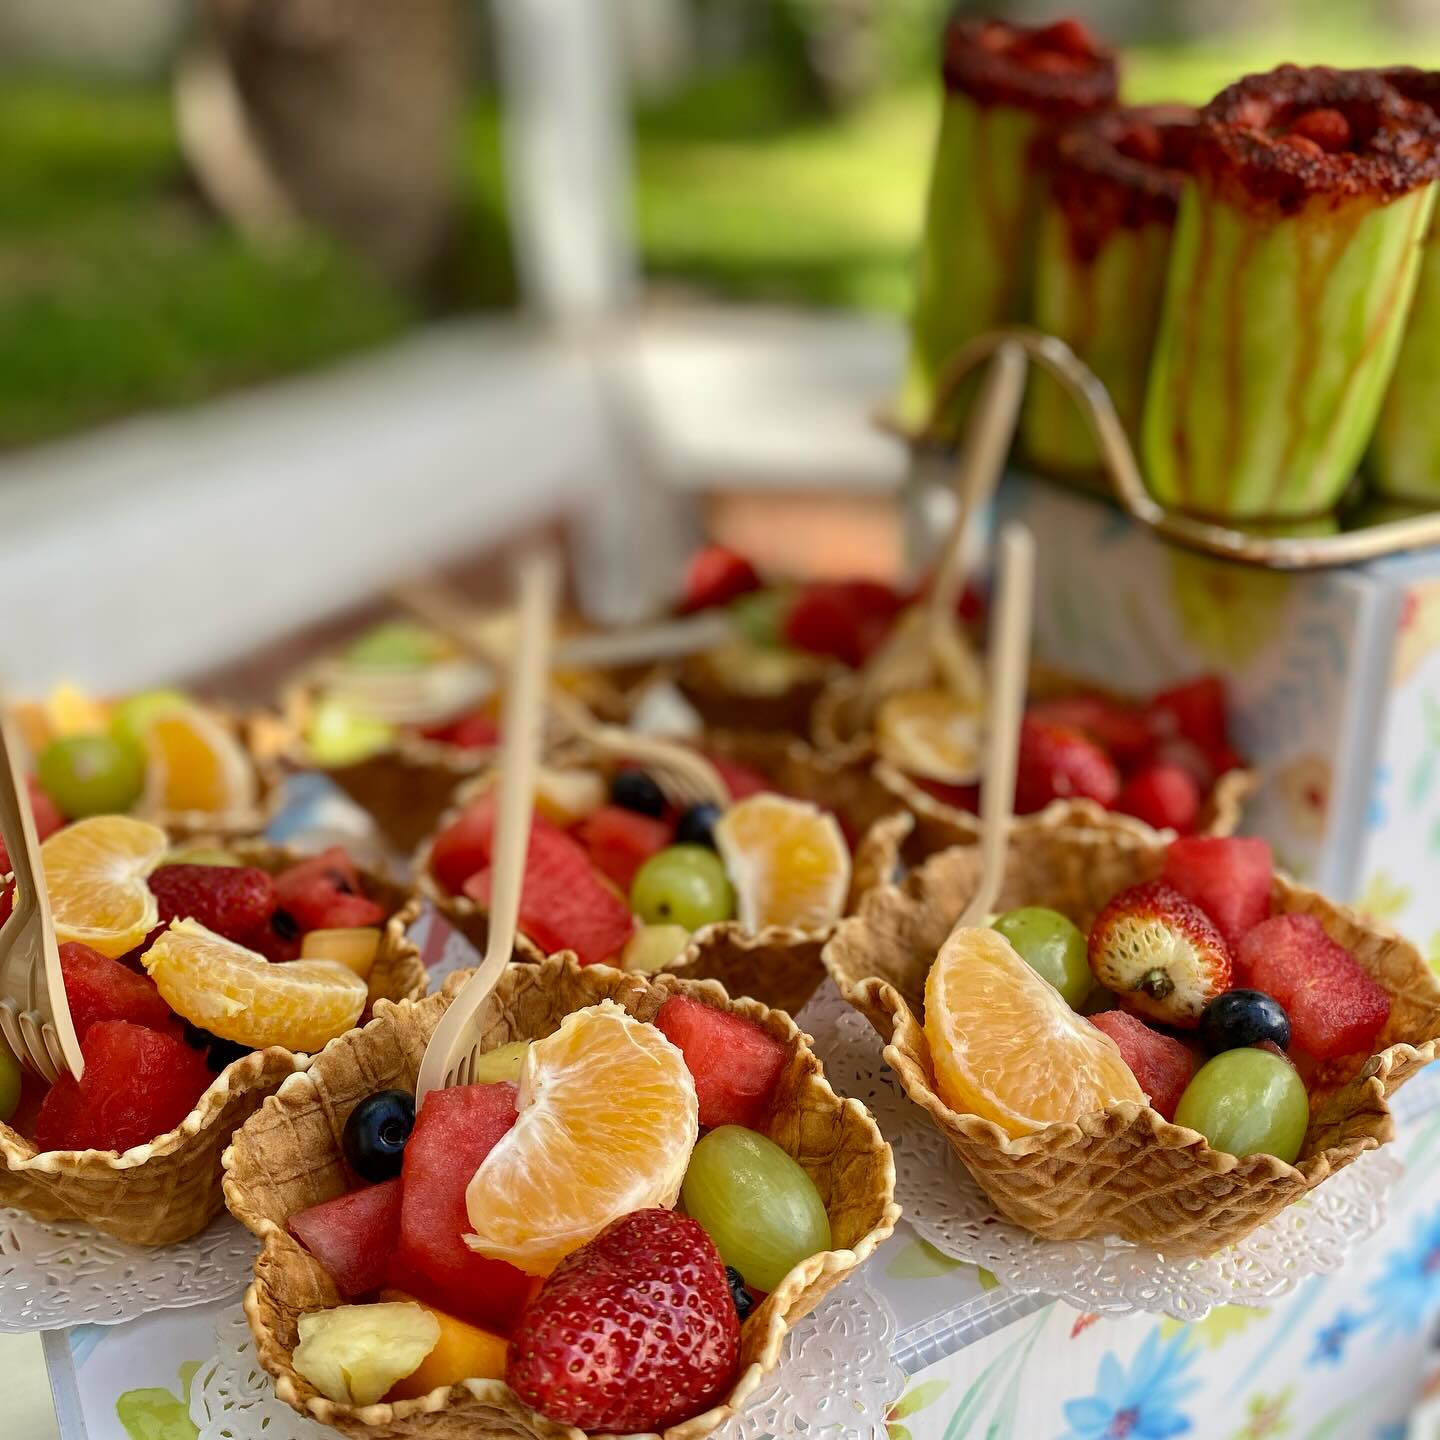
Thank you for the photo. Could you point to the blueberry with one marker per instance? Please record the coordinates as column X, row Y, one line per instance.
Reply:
column 1243, row 1017
column 285, row 925
column 633, row 789
column 218, row 1053
column 376, row 1132
column 697, row 826
column 744, row 1300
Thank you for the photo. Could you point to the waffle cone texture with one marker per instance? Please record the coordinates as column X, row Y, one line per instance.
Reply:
column 289, row 1157
column 837, row 730
column 1125, row 1171
column 169, row 1189
column 778, row 965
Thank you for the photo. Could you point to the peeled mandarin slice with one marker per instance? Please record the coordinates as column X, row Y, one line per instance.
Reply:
column 70, row 710
column 95, row 875
column 1005, row 1046
column 931, row 733
column 608, row 1117
column 238, row 995
column 195, row 764
column 787, row 860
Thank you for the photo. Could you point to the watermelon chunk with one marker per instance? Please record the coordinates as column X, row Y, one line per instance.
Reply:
column 454, row 1131
column 475, row 730
column 1162, row 1066
column 1335, row 1007
column 735, row 1064
column 138, row 1084
column 565, row 905
column 48, row 819
column 1194, row 710
column 325, row 893
column 716, row 575
column 1229, row 878
column 462, row 848
column 847, row 620
column 353, row 1236
column 99, row 988
column 1120, row 729
column 1164, row 796
column 620, row 841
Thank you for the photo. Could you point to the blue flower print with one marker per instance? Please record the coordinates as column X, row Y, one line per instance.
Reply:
column 1141, row 1405
column 1330, row 1342
column 1407, row 1291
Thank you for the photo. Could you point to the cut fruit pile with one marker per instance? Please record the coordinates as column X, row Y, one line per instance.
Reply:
column 526, row 1234
column 1220, row 1007
column 177, row 963
column 616, row 874
column 156, row 753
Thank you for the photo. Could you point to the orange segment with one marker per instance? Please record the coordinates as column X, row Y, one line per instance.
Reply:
column 95, row 875
column 1005, row 1046
column 239, row 995
column 787, row 860
column 195, row 763
column 608, row 1117
column 931, row 733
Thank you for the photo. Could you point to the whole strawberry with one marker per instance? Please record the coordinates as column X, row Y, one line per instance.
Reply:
column 1059, row 764
column 1160, row 953
column 232, row 900
column 634, row 1331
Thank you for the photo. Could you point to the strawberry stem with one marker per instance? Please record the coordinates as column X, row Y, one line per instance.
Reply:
column 1156, row 983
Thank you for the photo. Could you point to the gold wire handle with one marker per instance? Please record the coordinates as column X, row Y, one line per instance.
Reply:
column 1121, row 468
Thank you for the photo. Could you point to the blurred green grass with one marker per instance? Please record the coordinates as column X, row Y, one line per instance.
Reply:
column 119, row 292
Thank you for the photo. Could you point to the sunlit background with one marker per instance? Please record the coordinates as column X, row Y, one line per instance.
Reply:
column 487, row 205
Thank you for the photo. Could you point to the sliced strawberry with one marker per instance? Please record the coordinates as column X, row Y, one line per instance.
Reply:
column 716, row 575
column 232, row 900
column 1160, row 954
column 1120, row 730
column 1164, row 796
column 847, row 620
column 1058, row 764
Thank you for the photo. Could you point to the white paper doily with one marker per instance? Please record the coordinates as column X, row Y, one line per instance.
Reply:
column 835, row 1381
column 54, row 1274
column 941, row 1200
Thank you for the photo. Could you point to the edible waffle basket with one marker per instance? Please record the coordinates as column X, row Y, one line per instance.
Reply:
column 1125, row 1171
column 837, row 729
column 779, row 964
column 169, row 1189
column 724, row 705
column 289, row 1157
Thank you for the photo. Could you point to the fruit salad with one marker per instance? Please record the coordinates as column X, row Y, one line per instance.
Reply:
column 618, row 875
column 179, row 963
column 602, row 1230
column 158, row 754
column 1007, row 88
column 1137, row 1022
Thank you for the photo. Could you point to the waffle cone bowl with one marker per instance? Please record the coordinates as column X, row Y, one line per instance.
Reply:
column 778, row 965
column 724, row 706
column 1124, row 1171
column 169, row 1189
column 838, row 730
column 289, row 1157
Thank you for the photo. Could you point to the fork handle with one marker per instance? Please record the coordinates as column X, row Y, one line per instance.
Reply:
column 519, row 762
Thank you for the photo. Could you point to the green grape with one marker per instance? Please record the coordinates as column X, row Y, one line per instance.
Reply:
column 92, row 774
column 131, row 718
column 1247, row 1102
column 9, row 1084
column 683, row 885
column 759, row 1207
column 337, row 736
column 502, row 1063
column 199, row 855
column 1053, row 947
column 760, row 617
column 396, row 645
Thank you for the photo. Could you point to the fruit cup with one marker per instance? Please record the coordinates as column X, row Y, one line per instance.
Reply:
column 168, row 1189
column 1124, row 1170
column 1087, row 758
column 1404, row 460
column 594, row 838
column 1007, row 89
column 1113, row 187
column 1295, row 258
column 290, row 1158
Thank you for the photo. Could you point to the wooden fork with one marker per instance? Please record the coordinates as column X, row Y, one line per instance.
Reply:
column 454, row 1046
column 685, row 777
column 34, row 1013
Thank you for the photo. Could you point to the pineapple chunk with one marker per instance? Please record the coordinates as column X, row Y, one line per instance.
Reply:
column 355, row 1353
column 502, row 1063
